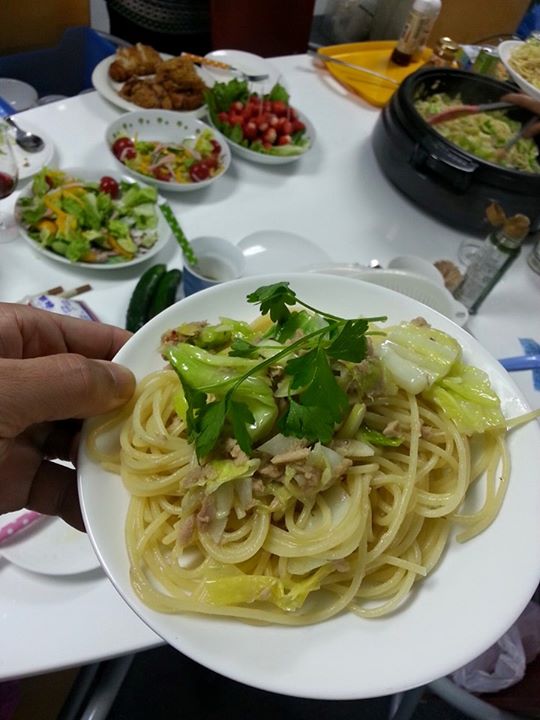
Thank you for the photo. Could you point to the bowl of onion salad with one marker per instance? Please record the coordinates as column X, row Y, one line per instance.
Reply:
column 170, row 152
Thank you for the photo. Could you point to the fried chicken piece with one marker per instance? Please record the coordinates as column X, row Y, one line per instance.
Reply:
column 181, row 72
column 146, row 93
column 134, row 61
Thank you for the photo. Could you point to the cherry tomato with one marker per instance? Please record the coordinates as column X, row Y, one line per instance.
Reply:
column 223, row 117
column 199, row 171
column 237, row 106
column 216, row 147
column 286, row 128
column 123, row 147
column 279, row 107
column 298, row 126
column 162, row 173
column 110, row 186
column 235, row 119
column 211, row 162
column 284, row 140
column 250, row 130
column 270, row 136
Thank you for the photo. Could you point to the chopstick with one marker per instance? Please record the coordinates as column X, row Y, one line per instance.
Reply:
column 21, row 523
column 352, row 66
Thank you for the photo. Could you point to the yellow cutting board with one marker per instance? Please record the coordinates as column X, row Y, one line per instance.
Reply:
column 373, row 55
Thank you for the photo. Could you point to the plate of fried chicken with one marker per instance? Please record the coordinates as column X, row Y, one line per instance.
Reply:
column 140, row 77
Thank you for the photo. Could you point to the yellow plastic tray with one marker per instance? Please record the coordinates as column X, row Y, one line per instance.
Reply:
column 373, row 55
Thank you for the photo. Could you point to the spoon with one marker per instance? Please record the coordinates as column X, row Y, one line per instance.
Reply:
column 25, row 139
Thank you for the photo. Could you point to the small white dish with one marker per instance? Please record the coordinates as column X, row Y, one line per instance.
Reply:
column 245, row 62
column 418, row 287
column 346, row 657
column 20, row 95
column 266, row 158
column 269, row 251
column 29, row 164
column 168, row 127
column 110, row 90
column 163, row 229
column 49, row 547
column 505, row 50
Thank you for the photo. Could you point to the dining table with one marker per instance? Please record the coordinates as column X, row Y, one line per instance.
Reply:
column 336, row 197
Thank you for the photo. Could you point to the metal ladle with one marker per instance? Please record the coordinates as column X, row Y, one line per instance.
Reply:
column 25, row 139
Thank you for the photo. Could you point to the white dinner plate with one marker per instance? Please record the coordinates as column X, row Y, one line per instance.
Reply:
column 463, row 607
column 246, row 62
column 49, row 547
column 505, row 50
column 109, row 89
column 163, row 229
column 28, row 164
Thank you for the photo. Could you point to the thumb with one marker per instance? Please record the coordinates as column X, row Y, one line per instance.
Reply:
column 58, row 387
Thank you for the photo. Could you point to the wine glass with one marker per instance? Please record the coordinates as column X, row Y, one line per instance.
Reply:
column 9, row 176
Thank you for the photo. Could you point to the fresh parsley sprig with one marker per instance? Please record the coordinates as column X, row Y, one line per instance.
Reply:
column 317, row 403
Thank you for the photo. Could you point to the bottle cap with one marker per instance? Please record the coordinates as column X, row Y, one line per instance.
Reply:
column 517, row 227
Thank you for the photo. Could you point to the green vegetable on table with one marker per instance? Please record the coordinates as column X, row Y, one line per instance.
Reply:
column 155, row 291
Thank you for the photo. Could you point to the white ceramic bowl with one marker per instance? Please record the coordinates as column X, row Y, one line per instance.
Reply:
column 346, row 657
column 267, row 159
column 505, row 50
column 20, row 95
column 169, row 127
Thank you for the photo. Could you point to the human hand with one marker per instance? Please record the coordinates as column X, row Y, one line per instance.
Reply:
column 54, row 371
column 529, row 103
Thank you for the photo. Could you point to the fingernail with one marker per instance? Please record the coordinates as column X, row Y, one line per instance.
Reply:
column 124, row 380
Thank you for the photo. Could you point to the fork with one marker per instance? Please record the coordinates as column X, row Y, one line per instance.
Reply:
column 209, row 62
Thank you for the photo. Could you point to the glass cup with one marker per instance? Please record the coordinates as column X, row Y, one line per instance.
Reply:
column 218, row 261
column 9, row 176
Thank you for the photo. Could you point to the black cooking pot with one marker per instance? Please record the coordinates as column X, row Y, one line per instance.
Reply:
column 444, row 180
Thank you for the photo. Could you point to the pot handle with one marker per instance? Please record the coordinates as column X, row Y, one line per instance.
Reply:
column 444, row 166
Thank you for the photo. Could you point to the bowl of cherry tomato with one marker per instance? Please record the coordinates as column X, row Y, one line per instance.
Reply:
column 262, row 128
column 171, row 152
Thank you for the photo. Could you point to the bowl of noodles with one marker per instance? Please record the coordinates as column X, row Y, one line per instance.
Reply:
column 522, row 60
column 453, row 169
column 274, row 486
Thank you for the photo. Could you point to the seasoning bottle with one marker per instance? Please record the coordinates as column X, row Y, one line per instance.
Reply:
column 445, row 54
column 416, row 31
column 492, row 260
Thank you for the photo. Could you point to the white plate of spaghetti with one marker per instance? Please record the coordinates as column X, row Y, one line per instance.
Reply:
column 278, row 581
column 522, row 60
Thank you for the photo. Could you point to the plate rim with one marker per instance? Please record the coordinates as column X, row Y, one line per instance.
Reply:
column 309, row 648
column 164, row 231
column 102, row 84
column 91, row 560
